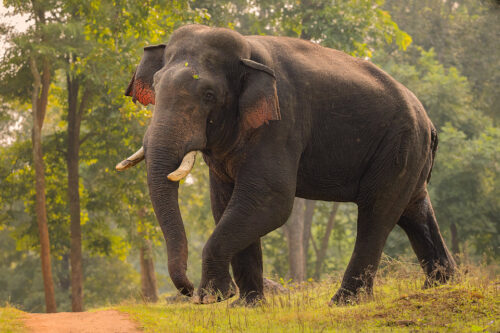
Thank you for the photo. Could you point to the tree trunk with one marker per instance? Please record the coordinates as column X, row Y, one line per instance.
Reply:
column 321, row 253
column 64, row 274
column 39, row 107
column 294, row 232
column 308, row 218
column 455, row 245
column 148, row 276
column 75, row 112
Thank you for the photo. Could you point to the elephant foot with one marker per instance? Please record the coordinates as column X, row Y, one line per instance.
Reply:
column 179, row 298
column 347, row 297
column 250, row 300
column 214, row 291
column 439, row 276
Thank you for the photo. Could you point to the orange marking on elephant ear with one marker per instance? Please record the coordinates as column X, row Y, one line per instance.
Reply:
column 261, row 112
column 143, row 93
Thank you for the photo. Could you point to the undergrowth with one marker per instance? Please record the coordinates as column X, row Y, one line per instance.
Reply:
column 470, row 303
column 11, row 320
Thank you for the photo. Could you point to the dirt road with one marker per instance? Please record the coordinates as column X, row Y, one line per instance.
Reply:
column 108, row 321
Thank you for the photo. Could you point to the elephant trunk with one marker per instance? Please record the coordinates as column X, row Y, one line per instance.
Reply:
column 164, row 196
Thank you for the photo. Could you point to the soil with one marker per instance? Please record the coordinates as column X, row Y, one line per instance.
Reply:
column 108, row 321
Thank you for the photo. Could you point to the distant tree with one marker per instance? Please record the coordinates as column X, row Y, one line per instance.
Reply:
column 464, row 35
column 466, row 187
column 33, row 51
column 444, row 91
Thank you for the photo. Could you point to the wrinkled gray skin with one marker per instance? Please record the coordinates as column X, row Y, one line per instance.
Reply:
column 276, row 118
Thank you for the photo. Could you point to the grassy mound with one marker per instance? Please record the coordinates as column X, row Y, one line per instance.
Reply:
column 11, row 320
column 471, row 303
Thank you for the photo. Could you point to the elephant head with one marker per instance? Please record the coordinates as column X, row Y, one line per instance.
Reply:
column 208, row 95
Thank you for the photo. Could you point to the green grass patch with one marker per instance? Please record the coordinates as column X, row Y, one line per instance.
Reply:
column 471, row 303
column 11, row 320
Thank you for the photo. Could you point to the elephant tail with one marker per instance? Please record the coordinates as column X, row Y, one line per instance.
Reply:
column 434, row 146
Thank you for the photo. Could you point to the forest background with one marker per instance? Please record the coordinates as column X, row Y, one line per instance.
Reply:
column 75, row 234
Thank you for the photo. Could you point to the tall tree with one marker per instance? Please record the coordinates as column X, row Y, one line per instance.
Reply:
column 323, row 246
column 79, row 92
column 298, row 234
column 307, row 234
column 294, row 232
column 76, row 108
column 148, row 277
column 35, row 49
column 102, row 38
column 39, row 106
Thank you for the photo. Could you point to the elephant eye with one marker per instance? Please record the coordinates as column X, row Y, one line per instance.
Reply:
column 209, row 97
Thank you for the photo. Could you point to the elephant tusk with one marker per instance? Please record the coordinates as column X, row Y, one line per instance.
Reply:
column 131, row 161
column 184, row 169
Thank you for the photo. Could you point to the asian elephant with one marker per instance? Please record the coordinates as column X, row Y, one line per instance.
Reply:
column 277, row 118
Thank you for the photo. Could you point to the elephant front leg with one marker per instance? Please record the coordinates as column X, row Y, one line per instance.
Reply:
column 247, row 264
column 256, row 208
column 248, row 274
column 220, row 195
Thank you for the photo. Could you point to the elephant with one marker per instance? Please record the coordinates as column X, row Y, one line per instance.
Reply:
column 277, row 118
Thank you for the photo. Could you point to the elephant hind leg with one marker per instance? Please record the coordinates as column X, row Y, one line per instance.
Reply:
column 247, row 271
column 381, row 201
column 419, row 223
column 372, row 231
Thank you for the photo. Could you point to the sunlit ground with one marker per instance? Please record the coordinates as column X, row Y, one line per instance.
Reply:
column 471, row 303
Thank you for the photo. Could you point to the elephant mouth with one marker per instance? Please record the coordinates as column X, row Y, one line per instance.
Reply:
column 182, row 171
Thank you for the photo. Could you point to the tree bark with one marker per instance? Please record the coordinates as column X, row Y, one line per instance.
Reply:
column 321, row 252
column 294, row 232
column 64, row 274
column 455, row 244
column 148, row 276
column 75, row 111
column 39, row 106
column 308, row 218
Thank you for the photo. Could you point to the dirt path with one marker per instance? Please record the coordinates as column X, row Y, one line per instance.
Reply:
column 108, row 321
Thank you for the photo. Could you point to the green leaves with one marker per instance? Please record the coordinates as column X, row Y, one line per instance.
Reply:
column 444, row 92
column 356, row 27
column 466, row 185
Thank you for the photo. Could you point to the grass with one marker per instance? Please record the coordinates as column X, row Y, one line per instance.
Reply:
column 469, row 304
column 11, row 320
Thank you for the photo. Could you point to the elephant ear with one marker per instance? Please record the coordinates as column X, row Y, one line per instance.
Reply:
column 258, row 102
column 140, row 87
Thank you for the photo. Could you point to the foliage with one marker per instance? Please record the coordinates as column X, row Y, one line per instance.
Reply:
column 356, row 27
column 444, row 92
column 108, row 279
column 463, row 34
column 466, row 188
column 10, row 320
